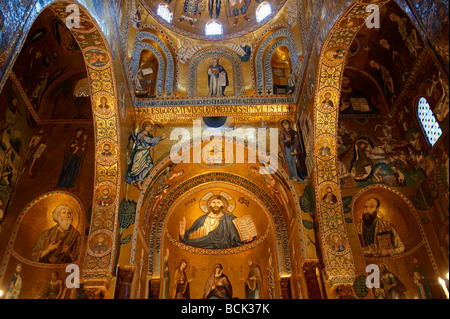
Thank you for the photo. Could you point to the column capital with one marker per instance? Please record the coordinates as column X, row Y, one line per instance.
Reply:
column 125, row 273
column 344, row 291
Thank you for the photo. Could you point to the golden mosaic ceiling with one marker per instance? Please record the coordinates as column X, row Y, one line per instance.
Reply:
column 189, row 17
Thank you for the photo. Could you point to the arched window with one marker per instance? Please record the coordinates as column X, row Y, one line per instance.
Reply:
column 164, row 12
column 263, row 11
column 429, row 124
column 213, row 28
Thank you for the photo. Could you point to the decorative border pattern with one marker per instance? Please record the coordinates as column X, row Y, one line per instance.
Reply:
column 206, row 101
column 98, row 269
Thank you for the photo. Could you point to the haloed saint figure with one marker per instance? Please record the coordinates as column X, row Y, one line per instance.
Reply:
column 292, row 151
column 73, row 159
column 378, row 237
column 59, row 244
column 253, row 282
column 181, row 285
column 141, row 160
column 218, row 286
column 217, row 79
column 213, row 230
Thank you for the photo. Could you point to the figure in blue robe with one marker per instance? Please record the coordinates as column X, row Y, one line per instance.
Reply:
column 293, row 152
column 217, row 79
column 218, row 285
column 141, row 162
column 73, row 159
column 214, row 230
column 248, row 52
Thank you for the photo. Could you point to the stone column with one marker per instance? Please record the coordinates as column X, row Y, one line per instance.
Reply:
column 154, row 288
column 285, row 283
column 124, row 279
column 312, row 283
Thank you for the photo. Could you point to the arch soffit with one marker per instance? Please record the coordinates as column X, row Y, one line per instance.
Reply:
column 102, row 82
column 340, row 268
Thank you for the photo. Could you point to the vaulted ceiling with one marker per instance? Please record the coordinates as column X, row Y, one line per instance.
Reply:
column 52, row 72
column 190, row 17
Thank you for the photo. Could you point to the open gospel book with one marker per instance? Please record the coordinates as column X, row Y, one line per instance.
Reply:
column 246, row 228
column 360, row 104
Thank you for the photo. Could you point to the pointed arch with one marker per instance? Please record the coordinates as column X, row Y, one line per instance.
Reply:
column 161, row 65
column 168, row 71
column 96, row 269
column 339, row 267
column 267, row 62
column 156, row 219
column 261, row 73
